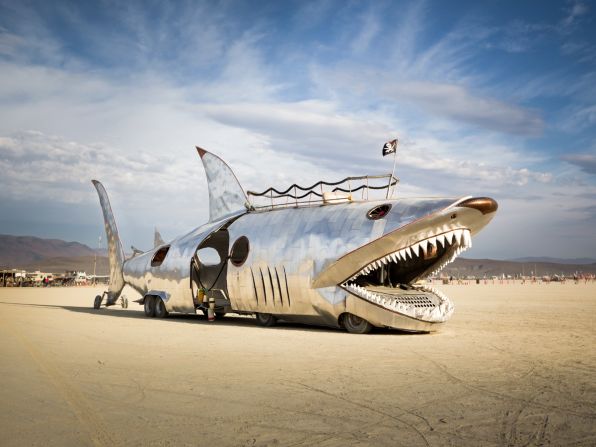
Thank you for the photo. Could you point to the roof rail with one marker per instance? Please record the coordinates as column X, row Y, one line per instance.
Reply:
column 317, row 194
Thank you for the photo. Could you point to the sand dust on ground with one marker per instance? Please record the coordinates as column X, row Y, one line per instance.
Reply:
column 516, row 366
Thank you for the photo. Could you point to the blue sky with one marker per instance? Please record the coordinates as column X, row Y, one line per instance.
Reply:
column 487, row 98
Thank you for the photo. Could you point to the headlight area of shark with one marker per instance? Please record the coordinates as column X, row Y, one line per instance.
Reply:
column 337, row 261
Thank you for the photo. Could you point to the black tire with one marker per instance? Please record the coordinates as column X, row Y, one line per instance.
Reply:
column 149, row 306
column 355, row 325
column 160, row 308
column 266, row 320
column 97, row 302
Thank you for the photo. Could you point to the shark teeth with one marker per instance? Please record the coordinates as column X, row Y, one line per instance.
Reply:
column 460, row 238
column 453, row 241
column 423, row 303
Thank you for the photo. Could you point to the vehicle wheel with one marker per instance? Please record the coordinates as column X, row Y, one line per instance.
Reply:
column 97, row 302
column 220, row 314
column 124, row 303
column 160, row 308
column 266, row 320
column 356, row 325
column 149, row 306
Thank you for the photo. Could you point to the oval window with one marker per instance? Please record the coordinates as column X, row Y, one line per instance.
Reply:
column 208, row 256
column 239, row 251
column 159, row 256
column 378, row 212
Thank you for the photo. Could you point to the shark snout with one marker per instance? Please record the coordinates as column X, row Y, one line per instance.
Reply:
column 485, row 205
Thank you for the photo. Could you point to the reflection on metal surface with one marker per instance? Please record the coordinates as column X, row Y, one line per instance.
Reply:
column 226, row 196
column 356, row 262
column 115, row 252
column 485, row 205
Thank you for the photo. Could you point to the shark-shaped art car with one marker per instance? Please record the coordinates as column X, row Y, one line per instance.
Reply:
column 325, row 255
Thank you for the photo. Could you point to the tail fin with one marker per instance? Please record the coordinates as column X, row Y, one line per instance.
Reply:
column 115, row 252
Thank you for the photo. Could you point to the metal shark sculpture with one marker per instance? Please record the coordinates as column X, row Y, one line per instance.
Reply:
column 333, row 261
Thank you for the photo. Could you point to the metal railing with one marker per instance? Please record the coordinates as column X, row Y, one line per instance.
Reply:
column 318, row 193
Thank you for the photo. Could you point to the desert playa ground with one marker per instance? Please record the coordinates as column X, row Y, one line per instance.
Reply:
column 516, row 365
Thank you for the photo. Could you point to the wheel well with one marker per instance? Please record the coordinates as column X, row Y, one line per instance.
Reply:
column 142, row 301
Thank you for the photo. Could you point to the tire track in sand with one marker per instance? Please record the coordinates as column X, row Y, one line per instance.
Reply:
column 88, row 418
column 367, row 407
column 505, row 396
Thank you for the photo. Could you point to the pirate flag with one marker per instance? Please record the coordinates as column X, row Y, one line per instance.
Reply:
column 390, row 147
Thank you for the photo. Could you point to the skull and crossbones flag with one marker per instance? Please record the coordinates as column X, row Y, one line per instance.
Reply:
column 390, row 147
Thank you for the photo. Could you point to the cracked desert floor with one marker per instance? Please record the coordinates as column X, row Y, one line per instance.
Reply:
column 516, row 365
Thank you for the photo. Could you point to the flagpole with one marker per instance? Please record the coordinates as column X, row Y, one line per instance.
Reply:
column 392, row 172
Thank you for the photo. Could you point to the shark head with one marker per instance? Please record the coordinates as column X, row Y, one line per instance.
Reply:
column 342, row 255
column 418, row 240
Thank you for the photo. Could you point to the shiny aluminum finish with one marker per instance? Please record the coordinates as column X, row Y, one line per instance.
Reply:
column 226, row 196
column 115, row 252
column 313, row 263
column 300, row 257
column 170, row 280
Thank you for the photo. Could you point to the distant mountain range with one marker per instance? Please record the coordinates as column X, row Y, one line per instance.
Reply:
column 50, row 255
column 57, row 256
column 17, row 251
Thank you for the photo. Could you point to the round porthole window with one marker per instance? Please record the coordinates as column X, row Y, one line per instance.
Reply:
column 378, row 212
column 239, row 251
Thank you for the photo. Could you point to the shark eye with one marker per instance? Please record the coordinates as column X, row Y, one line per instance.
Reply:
column 378, row 212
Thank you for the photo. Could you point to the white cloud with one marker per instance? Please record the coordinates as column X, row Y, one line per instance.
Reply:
column 369, row 29
column 586, row 161
column 135, row 130
column 579, row 118
column 456, row 102
column 576, row 10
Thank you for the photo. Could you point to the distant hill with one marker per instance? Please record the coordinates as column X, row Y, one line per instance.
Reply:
column 57, row 256
column 19, row 251
column 576, row 261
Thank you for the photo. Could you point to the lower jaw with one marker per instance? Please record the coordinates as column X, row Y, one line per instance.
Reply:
column 421, row 303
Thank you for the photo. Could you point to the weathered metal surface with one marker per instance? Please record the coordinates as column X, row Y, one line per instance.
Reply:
column 310, row 263
column 226, row 196
column 300, row 257
column 115, row 251
column 173, row 276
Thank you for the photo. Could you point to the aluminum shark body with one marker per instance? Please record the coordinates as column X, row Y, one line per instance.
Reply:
column 355, row 264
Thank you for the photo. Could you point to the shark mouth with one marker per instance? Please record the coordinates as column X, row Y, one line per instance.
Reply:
column 392, row 281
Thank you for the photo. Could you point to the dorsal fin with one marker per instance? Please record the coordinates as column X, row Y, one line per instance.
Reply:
column 136, row 251
column 157, row 239
column 226, row 196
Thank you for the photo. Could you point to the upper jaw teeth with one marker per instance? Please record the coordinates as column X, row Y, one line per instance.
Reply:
column 460, row 238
